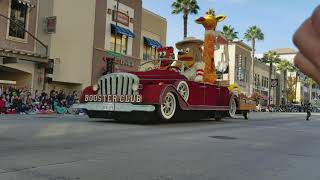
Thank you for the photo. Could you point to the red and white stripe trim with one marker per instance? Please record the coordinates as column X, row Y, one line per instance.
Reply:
column 200, row 72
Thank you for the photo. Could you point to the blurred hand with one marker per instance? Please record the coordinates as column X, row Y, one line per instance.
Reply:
column 307, row 39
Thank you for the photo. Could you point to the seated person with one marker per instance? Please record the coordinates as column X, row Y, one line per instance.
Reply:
column 2, row 105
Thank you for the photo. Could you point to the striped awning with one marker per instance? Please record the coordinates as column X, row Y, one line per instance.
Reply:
column 152, row 43
column 27, row 3
column 122, row 31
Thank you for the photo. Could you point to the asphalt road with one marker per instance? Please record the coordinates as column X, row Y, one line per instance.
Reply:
column 270, row 146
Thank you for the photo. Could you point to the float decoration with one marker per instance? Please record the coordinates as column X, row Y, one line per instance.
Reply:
column 166, row 56
column 190, row 57
column 209, row 22
column 187, row 85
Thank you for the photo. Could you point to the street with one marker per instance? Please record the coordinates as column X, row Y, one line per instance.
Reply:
column 275, row 146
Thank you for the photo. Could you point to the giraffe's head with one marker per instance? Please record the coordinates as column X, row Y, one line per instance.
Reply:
column 210, row 21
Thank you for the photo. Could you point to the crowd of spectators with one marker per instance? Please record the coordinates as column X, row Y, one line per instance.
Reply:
column 23, row 101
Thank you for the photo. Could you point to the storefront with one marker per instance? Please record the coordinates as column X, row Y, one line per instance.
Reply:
column 22, row 70
column 122, row 63
column 150, row 47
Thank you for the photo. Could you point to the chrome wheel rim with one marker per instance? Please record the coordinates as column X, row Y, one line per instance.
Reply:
column 183, row 90
column 232, row 108
column 168, row 107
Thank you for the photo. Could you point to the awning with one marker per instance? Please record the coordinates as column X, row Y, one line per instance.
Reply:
column 122, row 31
column 27, row 3
column 152, row 43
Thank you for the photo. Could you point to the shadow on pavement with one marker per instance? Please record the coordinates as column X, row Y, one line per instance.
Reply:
column 159, row 123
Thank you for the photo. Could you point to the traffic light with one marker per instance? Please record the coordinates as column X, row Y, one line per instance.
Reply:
column 110, row 66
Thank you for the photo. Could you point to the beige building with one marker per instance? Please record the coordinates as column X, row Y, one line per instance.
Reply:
column 86, row 38
column 22, row 58
column 154, row 34
column 236, row 67
column 238, row 54
column 261, row 83
column 305, row 92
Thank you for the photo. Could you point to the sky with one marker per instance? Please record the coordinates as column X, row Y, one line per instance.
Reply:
column 278, row 19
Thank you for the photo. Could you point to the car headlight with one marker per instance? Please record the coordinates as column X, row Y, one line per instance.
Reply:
column 135, row 87
column 95, row 87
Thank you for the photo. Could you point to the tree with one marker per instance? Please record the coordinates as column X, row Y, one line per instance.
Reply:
column 229, row 33
column 253, row 34
column 271, row 58
column 309, row 82
column 292, row 83
column 186, row 7
column 284, row 66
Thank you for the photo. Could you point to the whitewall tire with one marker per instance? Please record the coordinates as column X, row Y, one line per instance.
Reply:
column 232, row 107
column 183, row 90
column 168, row 108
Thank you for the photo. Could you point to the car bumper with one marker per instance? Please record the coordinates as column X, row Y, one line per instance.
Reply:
column 114, row 107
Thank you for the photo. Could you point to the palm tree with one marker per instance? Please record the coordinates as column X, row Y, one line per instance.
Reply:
column 229, row 33
column 284, row 66
column 186, row 7
column 271, row 58
column 253, row 34
column 294, row 69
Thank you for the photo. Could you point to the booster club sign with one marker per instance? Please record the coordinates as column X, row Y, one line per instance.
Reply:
column 114, row 98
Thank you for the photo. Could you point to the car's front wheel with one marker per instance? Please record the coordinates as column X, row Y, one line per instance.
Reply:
column 167, row 110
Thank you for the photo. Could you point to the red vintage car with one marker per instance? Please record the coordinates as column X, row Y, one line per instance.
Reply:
column 165, row 94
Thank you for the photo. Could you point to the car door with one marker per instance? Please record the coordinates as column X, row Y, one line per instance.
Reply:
column 197, row 93
column 212, row 95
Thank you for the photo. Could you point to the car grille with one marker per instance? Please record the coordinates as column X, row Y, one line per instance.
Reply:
column 118, row 84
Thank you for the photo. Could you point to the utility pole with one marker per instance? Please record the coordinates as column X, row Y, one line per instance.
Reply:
column 115, row 39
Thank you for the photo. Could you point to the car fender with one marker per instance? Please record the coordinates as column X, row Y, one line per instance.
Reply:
column 171, row 88
column 155, row 94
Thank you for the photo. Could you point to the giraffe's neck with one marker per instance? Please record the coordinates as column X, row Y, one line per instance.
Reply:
column 209, row 41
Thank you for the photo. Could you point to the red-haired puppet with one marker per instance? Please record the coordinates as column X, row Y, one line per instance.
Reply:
column 166, row 55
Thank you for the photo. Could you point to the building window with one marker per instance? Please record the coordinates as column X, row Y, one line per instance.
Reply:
column 18, row 24
column 121, row 44
column 241, row 73
column 149, row 52
column 264, row 84
column 257, row 80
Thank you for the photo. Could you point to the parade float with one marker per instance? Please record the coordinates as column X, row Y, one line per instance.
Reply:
column 188, row 84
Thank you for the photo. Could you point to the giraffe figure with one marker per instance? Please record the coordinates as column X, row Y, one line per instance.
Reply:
column 209, row 22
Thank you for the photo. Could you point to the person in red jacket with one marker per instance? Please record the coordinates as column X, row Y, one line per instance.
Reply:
column 2, row 105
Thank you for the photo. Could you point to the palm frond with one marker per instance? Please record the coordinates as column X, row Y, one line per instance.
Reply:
column 254, row 33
